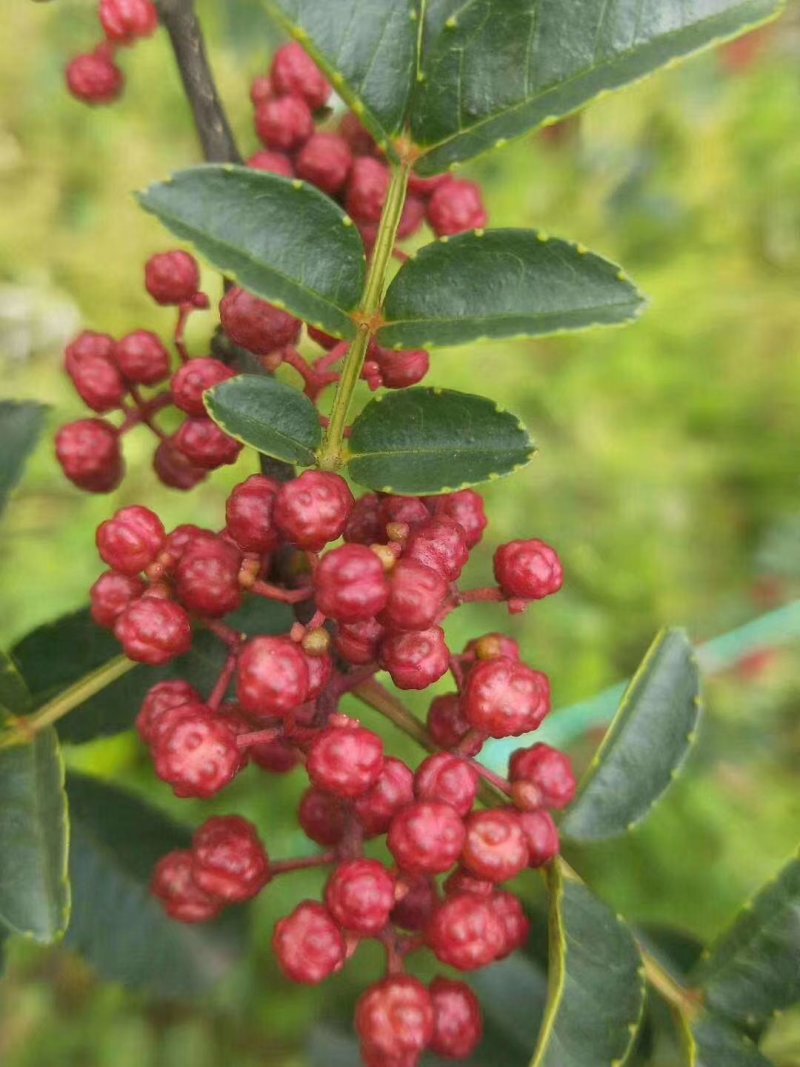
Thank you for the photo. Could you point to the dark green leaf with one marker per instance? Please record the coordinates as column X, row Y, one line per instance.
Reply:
column 596, row 981
column 502, row 283
column 267, row 415
column 493, row 69
column 422, row 441
column 21, row 425
column 15, row 698
column 61, row 654
column 367, row 48
column 646, row 745
column 754, row 969
column 117, row 926
column 713, row 1043
column 283, row 240
column 34, row 892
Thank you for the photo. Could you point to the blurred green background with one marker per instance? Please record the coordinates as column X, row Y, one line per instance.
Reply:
column 667, row 474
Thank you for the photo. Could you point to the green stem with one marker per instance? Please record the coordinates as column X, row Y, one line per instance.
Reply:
column 330, row 456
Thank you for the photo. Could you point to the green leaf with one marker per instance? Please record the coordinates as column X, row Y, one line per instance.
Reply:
column 711, row 1042
column 367, row 48
column 283, row 240
column 646, row 745
column 752, row 971
column 502, row 283
column 21, row 426
column 34, row 830
column 15, row 698
column 493, row 69
column 422, row 441
column 268, row 415
column 117, row 926
column 596, row 981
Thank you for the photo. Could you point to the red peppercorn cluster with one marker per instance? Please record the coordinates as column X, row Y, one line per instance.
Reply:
column 94, row 77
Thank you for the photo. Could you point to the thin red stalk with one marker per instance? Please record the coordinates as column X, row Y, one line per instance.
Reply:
column 223, row 682
column 302, row 864
column 283, row 596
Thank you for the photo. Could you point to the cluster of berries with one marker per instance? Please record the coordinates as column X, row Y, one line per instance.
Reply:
column 375, row 602
column 95, row 78
column 346, row 164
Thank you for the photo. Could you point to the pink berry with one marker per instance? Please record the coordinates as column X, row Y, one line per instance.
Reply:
column 182, row 900
column 174, row 469
column 457, row 1019
column 142, row 358
column 513, row 921
column 284, row 123
column 88, row 345
column 322, row 817
column 399, row 370
column 163, row 697
column 394, row 1020
column 376, row 808
column 228, row 860
column 503, row 698
column 95, row 78
column 178, row 540
column 249, row 513
column 97, row 381
column 415, row 907
column 172, row 277
column 463, row 881
column 496, row 847
column 350, row 584
column 542, row 837
column 417, row 596
column 440, row 544
column 294, row 72
column 415, row 660
column 272, row 163
column 412, row 219
column 345, row 760
column 197, row 754
column 447, row 724
column 465, row 932
column 467, row 509
column 193, row 379
column 275, row 757
column 360, row 140
column 126, row 21
column 367, row 189
column 425, row 187
column 90, row 456
column 131, row 540
column 313, row 509
column 154, row 631
column 408, row 511
column 207, row 577
column 205, row 445
column 308, row 944
column 448, row 780
column 366, row 526
column 273, row 677
column 255, row 324
column 324, row 340
column 111, row 594
column 261, row 90
column 426, row 838
column 359, row 642
column 325, row 160
column 360, row 896
column 547, row 775
column 529, row 570
column 455, row 207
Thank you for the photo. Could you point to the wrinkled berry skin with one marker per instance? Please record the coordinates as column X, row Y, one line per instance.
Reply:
column 465, row 932
column 547, row 774
column 415, row 660
column 496, row 847
column 513, row 921
column 529, row 570
column 191, row 381
column 447, row 780
column 322, row 817
column 131, row 540
column 376, row 808
column 111, row 594
column 163, row 697
column 182, row 900
column 272, row 677
column 172, row 278
column 90, row 456
column 154, row 631
column 360, row 896
column 174, row 469
column 359, row 642
column 284, row 123
column 97, row 381
column 416, row 596
column 457, row 1019
column 325, row 161
column 346, row 761
column 542, row 837
column 207, row 577
column 350, row 584
column 399, row 370
column 367, row 189
column 426, row 838
column 205, row 445
column 394, row 1020
column 126, row 21
column 366, row 525
column 455, row 207
column 249, row 513
column 197, row 755
column 467, row 509
column 294, row 73
column 95, row 78
column 413, row 910
column 142, row 358
column 308, row 944
column 228, row 860
column 256, row 325
column 313, row 509
column 448, row 726
column 503, row 698
column 441, row 545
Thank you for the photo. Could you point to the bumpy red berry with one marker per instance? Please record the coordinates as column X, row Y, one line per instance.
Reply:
column 325, row 160
column 205, row 445
column 350, row 584
column 172, row 277
column 275, row 757
column 256, row 325
column 131, row 540
column 207, row 577
column 376, row 808
column 542, row 836
column 294, row 72
column 412, row 218
column 273, row 677
column 440, row 544
column 126, row 21
column 448, row 780
column 322, row 817
column 463, row 881
column 465, row 932
column 174, row 469
column 95, row 78
column 191, row 381
column 492, row 646
column 416, row 596
column 359, row 642
column 503, row 698
column 514, row 922
column 415, row 660
column 88, row 344
column 284, row 123
column 448, row 726
column 457, row 1019
column 142, row 358
column 90, row 456
column 366, row 525
column 313, row 509
column 426, row 838
column 467, row 509
column 399, row 370
column 249, row 514
column 357, row 136
column 545, row 776
column 154, row 631
column 173, row 885
column 367, row 189
column 418, row 899
column 394, row 1020
column 272, row 163
column 529, row 570
column 111, row 594
column 455, row 207
column 309, row 944
column 197, row 755
column 360, row 896
column 163, row 697
column 496, row 847
column 346, row 760
column 97, row 381
column 229, row 861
